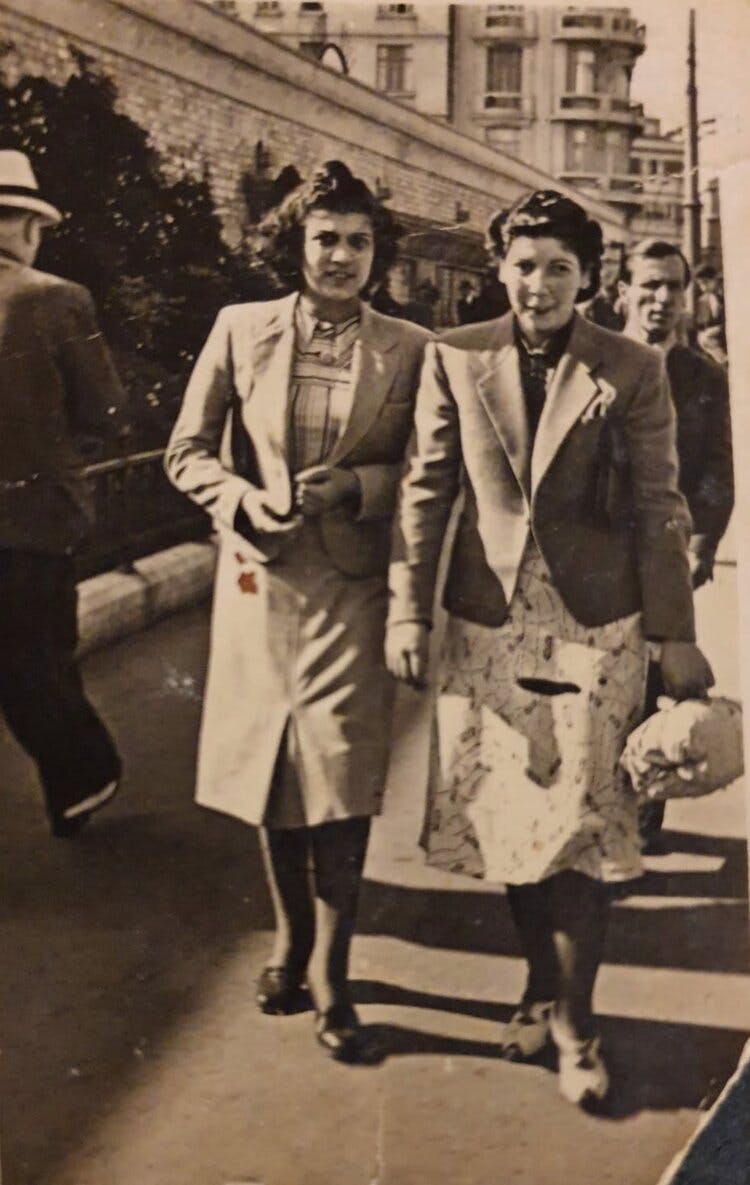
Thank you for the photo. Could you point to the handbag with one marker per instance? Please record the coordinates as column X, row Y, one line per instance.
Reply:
column 686, row 749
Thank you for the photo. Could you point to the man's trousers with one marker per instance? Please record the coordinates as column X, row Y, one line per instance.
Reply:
column 41, row 693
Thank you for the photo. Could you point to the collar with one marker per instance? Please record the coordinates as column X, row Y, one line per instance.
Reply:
column 307, row 324
column 553, row 349
column 7, row 256
column 635, row 332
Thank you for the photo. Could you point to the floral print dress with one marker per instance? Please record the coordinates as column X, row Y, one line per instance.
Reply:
column 531, row 720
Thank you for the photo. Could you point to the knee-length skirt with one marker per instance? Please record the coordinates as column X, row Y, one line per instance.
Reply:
column 530, row 723
column 298, row 703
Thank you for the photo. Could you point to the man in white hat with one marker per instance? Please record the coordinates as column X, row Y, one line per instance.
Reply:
column 58, row 384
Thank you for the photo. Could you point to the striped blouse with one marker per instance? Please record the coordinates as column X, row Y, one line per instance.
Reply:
column 321, row 389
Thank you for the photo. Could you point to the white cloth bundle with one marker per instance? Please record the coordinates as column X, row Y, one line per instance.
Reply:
column 685, row 749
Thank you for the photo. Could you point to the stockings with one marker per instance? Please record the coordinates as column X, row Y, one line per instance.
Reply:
column 314, row 875
column 562, row 924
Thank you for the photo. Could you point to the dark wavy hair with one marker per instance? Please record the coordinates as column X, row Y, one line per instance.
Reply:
column 654, row 249
column 332, row 187
column 545, row 213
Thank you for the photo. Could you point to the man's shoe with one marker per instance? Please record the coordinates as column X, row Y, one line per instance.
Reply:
column 74, row 818
column 63, row 828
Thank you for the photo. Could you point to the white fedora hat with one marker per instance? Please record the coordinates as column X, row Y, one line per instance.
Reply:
column 19, row 189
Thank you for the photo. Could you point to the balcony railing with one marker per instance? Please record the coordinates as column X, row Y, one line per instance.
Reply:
column 611, row 187
column 505, row 104
column 604, row 25
column 512, row 22
column 574, row 105
column 396, row 12
column 137, row 512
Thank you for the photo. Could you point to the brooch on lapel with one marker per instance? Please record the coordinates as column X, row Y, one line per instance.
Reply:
column 601, row 402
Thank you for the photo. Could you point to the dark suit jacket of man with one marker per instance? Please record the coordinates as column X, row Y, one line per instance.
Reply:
column 700, row 393
column 598, row 489
column 58, row 385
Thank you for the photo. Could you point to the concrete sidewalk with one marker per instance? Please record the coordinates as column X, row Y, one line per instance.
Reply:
column 132, row 1050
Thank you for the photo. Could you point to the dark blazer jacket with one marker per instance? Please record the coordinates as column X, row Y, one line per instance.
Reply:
column 231, row 436
column 58, row 388
column 598, row 490
column 700, row 394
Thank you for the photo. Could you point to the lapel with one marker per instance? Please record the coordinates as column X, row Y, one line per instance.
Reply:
column 273, row 351
column 572, row 389
column 374, row 369
column 498, row 384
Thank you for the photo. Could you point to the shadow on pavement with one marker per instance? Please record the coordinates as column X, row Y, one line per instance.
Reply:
column 728, row 880
column 702, row 935
column 654, row 1065
column 659, row 1065
column 115, row 938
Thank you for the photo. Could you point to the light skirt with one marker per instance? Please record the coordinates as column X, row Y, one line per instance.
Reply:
column 531, row 720
column 297, row 714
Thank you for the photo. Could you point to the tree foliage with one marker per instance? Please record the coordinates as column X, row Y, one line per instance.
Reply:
column 149, row 249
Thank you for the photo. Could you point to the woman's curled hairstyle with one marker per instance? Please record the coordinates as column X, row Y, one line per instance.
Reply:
column 547, row 213
column 332, row 187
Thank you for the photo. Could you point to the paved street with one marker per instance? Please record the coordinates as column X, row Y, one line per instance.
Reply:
column 132, row 1051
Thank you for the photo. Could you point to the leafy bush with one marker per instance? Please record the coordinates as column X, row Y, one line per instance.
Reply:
column 149, row 250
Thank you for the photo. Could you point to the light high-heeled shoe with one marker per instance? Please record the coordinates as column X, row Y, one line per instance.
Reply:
column 582, row 1074
column 527, row 1032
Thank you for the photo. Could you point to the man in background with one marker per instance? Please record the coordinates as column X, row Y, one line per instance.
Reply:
column 709, row 306
column 467, row 298
column 605, row 308
column 653, row 286
column 59, row 387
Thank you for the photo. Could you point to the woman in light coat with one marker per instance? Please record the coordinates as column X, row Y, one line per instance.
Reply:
column 292, row 435
column 569, row 557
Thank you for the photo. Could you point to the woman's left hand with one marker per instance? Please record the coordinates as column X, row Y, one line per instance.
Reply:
column 685, row 671
column 319, row 489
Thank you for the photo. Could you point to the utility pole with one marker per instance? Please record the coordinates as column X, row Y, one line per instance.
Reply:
column 691, row 202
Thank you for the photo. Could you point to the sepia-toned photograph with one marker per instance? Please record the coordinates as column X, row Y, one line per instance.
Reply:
column 372, row 515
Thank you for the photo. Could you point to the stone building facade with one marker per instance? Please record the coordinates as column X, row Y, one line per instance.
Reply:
column 547, row 85
column 219, row 97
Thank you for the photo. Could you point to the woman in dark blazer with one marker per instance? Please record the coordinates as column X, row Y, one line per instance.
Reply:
column 292, row 435
column 568, row 557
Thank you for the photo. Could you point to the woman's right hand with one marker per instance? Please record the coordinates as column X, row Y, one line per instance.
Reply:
column 264, row 520
column 407, row 648
column 685, row 671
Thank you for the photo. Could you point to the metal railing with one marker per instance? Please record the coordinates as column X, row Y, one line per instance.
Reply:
column 137, row 512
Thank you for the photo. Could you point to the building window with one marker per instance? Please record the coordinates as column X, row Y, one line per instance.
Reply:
column 267, row 8
column 310, row 6
column 582, row 21
column 583, row 151
column 673, row 168
column 582, row 71
column 504, row 69
column 394, row 69
column 617, row 151
column 504, row 16
column 395, row 10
